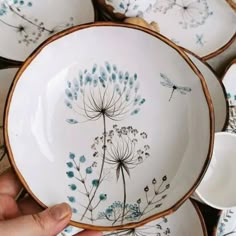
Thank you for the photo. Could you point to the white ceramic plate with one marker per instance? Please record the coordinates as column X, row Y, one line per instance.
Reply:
column 6, row 78
column 217, row 92
column 229, row 81
column 186, row 221
column 188, row 23
column 24, row 24
column 227, row 223
column 106, row 112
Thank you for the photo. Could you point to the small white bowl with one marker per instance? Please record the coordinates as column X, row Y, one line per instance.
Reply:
column 217, row 188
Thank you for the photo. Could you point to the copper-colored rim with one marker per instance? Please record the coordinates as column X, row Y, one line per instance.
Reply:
column 232, row 4
column 164, row 40
column 204, row 229
column 221, row 79
column 220, row 82
column 19, row 63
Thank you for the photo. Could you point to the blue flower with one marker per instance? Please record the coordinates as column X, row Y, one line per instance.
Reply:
column 82, row 159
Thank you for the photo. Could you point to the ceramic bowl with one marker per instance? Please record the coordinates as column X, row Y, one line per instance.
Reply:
column 216, row 89
column 227, row 223
column 186, row 220
column 229, row 82
column 102, row 114
column 188, row 23
column 24, row 24
column 6, row 78
column 217, row 187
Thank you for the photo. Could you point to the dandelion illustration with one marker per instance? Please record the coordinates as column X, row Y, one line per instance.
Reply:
column 104, row 92
column 158, row 228
column 131, row 8
column 154, row 195
column 125, row 149
column 193, row 13
column 30, row 30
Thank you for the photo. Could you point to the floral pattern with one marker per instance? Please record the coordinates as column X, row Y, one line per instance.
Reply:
column 226, row 217
column 31, row 29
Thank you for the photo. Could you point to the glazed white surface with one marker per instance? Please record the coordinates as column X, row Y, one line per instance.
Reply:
column 37, row 116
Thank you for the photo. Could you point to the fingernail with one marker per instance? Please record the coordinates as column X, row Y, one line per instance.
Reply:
column 60, row 211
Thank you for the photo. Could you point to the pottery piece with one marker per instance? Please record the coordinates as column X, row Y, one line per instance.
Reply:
column 95, row 122
column 25, row 24
column 217, row 187
column 188, row 23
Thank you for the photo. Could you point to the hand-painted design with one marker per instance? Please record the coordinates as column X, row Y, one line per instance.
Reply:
column 231, row 127
column 130, row 8
column 30, row 30
column 125, row 149
column 104, row 92
column 3, row 150
column 200, row 40
column 227, row 215
column 78, row 172
column 169, row 84
column 159, row 228
column 193, row 13
column 153, row 195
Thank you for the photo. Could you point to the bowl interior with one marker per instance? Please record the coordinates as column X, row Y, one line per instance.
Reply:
column 110, row 125
column 217, row 188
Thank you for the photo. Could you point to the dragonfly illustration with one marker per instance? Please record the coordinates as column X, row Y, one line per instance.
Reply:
column 169, row 84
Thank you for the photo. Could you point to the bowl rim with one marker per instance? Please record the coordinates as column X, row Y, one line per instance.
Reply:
column 74, row 29
column 219, row 79
column 16, row 62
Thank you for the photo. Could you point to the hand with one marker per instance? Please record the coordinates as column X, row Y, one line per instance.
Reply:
column 25, row 217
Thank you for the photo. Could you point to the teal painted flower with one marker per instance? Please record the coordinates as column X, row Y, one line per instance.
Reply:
column 72, row 156
column 73, row 187
column 89, row 170
column 69, row 164
column 103, row 81
column 95, row 182
column 82, row 159
column 103, row 197
column 71, row 199
column 70, row 174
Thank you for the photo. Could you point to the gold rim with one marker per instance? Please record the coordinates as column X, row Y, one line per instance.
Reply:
column 232, row 4
column 203, row 224
column 220, row 82
column 204, row 88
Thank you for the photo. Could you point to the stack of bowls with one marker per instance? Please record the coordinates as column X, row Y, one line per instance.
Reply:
column 126, row 115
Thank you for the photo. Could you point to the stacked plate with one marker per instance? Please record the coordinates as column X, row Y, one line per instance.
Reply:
column 121, row 116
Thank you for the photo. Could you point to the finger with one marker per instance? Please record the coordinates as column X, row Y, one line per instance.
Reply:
column 89, row 233
column 47, row 223
column 28, row 206
column 8, row 208
column 9, row 184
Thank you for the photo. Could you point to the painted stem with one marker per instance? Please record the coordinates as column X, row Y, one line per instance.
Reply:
column 29, row 21
column 12, row 26
column 102, row 167
column 229, row 233
column 124, row 200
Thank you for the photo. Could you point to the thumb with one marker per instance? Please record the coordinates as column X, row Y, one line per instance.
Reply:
column 47, row 223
